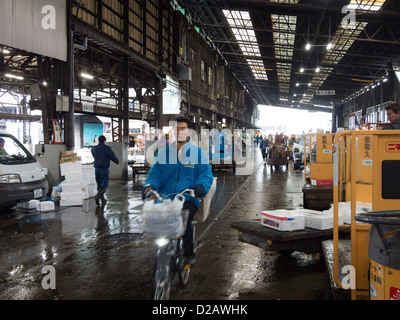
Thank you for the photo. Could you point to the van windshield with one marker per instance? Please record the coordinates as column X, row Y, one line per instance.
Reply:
column 13, row 152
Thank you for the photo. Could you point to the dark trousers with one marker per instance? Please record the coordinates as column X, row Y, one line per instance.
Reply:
column 102, row 175
column 188, row 237
column 264, row 153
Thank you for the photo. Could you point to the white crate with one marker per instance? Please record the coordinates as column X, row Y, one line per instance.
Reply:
column 72, row 195
column 72, row 202
column 28, row 205
column 92, row 189
column 70, row 168
column 283, row 220
column 45, row 206
column 70, row 186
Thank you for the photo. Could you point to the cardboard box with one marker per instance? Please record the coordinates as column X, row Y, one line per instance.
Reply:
column 322, row 182
column 66, row 154
column 283, row 220
column 45, row 206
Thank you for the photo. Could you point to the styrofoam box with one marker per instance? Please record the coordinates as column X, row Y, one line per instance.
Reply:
column 71, row 186
column 72, row 195
column 88, row 168
column 29, row 204
column 344, row 210
column 69, row 168
column 92, row 188
column 70, row 203
column 321, row 220
column 283, row 220
column 45, row 206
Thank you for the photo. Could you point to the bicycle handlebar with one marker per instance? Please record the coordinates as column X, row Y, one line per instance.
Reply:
column 179, row 195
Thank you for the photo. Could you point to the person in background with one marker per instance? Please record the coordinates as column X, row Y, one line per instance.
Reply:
column 393, row 114
column 177, row 167
column 102, row 155
column 3, row 152
column 264, row 149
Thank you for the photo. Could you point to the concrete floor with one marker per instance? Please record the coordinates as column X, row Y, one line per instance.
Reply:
column 100, row 254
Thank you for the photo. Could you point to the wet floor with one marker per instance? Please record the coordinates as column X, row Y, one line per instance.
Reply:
column 99, row 253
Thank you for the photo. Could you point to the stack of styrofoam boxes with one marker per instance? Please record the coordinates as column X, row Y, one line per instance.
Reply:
column 72, row 194
column 91, row 187
column 344, row 210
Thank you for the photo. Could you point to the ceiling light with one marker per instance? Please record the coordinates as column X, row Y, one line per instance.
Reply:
column 329, row 46
column 6, row 51
column 301, row 69
column 385, row 80
column 297, row 84
column 308, row 46
column 309, row 84
column 87, row 76
column 318, row 69
column 8, row 75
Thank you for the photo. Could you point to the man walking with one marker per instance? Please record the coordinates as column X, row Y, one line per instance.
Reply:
column 264, row 149
column 102, row 155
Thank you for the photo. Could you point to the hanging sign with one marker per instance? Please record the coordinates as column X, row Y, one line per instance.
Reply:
column 325, row 92
column 56, row 132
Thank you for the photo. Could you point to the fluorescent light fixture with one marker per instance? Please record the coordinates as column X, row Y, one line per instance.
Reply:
column 11, row 76
column 87, row 76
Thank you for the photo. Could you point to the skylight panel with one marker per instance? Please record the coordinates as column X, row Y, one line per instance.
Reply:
column 242, row 29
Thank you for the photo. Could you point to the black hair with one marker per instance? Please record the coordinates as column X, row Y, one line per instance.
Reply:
column 102, row 139
column 394, row 106
column 184, row 119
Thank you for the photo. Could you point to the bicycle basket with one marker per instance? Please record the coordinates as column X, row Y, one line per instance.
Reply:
column 170, row 224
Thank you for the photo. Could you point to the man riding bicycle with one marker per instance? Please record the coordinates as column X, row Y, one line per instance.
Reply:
column 177, row 167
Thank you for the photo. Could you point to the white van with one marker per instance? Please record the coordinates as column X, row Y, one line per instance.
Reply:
column 22, row 178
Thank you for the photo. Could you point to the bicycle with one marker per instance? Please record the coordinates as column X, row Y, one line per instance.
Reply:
column 169, row 256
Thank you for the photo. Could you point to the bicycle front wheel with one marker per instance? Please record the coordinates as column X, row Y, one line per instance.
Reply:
column 162, row 274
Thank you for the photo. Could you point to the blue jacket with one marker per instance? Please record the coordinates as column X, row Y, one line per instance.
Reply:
column 264, row 144
column 102, row 155
column 172, row 173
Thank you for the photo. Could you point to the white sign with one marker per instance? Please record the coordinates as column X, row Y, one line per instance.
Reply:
column 326, row 92
column 171, row 97
column 87, row 106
